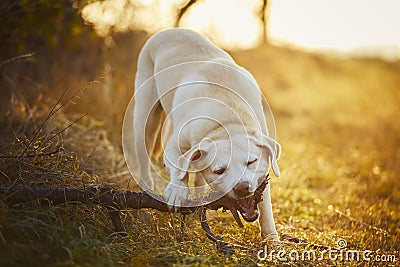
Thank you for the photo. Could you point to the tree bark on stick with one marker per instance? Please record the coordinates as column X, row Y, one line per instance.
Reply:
column 115, row 201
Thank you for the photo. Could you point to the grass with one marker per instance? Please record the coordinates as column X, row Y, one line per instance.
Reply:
column 337, row 123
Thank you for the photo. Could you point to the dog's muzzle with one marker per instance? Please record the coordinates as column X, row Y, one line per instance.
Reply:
column 247, row 206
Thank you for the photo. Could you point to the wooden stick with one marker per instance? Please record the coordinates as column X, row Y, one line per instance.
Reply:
column 115, row 201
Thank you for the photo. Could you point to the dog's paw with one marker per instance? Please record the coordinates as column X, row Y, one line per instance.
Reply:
column 175, row 194
column 270, row 237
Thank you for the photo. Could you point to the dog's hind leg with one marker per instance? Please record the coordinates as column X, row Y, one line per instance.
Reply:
column 147, row 116
column 160, row 138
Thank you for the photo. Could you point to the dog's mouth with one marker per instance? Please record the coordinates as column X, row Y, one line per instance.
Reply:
column 248, row 208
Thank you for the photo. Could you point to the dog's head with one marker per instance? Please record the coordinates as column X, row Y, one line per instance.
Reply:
column 236, row 166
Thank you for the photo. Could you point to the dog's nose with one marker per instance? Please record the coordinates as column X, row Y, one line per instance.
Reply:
column 242, row 189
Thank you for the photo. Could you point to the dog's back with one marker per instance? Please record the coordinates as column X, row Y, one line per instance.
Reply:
column 175, row 46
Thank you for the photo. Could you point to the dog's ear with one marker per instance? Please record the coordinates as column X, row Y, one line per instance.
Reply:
column 193, row 154
column 274, row 151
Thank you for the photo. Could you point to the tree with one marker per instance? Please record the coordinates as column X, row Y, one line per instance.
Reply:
column 264, row 18
column 263, row 14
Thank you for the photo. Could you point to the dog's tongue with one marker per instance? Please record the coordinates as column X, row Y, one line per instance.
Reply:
column 248, row 209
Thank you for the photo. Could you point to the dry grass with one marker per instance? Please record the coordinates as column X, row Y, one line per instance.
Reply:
column 336, row 120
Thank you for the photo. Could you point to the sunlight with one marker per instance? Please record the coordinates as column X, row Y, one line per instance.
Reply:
column 123, row 15
column 339, row 25
column 229, row 23
column 103, row 15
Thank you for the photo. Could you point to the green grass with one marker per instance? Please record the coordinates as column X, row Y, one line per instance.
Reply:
column 337, row 123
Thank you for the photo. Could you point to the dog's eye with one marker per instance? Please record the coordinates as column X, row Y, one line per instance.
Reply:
column 220, row 171
column 251, row 161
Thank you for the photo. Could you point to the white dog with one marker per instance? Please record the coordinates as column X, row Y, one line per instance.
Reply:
column 218, row 127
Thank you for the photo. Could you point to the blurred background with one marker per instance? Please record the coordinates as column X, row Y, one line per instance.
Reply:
column 47, row 46
column 330, row 71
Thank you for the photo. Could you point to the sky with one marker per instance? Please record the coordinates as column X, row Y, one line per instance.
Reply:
column 357, row 27
column 341, row 25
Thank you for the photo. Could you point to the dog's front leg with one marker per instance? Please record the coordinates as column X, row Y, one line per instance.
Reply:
column 177, row 190
column 267, row 224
